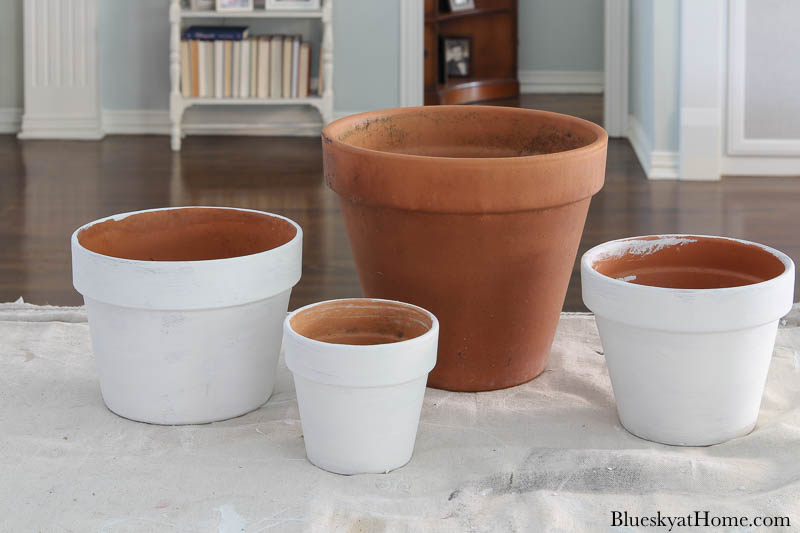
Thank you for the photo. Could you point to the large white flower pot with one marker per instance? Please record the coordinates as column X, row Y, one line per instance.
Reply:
column 688, row 326
column 185, row 308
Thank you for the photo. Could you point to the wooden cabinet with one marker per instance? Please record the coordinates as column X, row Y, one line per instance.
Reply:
column 490, row 70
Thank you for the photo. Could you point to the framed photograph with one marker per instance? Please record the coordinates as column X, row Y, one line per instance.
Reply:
column 294, row 5
column 202, row 5
column 461, row 5
column 234, row 5
column 456, row 56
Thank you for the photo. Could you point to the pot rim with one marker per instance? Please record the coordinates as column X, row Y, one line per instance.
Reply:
column 376, row 365
column 186, row 285
column 495, row 185
column 598, row 143
column 687, row 310
column 120, row 216
column 593, row 253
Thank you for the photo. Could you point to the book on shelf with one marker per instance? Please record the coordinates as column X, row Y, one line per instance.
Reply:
column 262, row 88
column 286, row 75
column 219, row 69
column 227, row 69
column 236, row 68
column 252, row 67
column 304, row 74
column 193, row 52
column 244, row 70
column 275, row 65
column 295, row 65
column 186, row 70
column 320, row 76
column 215, row 33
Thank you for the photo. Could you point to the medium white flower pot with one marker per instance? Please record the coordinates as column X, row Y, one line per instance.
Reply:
column 688, row 326
column 360, row 367
column 185, row 308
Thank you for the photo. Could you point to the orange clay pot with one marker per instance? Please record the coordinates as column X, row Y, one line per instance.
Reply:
column 472, row 212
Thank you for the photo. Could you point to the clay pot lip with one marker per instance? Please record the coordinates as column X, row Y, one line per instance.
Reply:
column 119, row 216
column 600, row 141
column 589, row 258
column 433, row 331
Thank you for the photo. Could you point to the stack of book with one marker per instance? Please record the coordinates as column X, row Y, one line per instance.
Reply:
column 226, row 62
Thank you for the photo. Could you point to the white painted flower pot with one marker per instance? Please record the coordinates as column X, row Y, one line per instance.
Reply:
column 360, row 367
column 185, row 308
column 688, row 326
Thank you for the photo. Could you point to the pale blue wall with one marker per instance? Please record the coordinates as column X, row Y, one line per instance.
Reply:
column 666, row 74
column 561, row 35
column 641, row 96
column 654, row 84
column 134, row 52
column 11, row 53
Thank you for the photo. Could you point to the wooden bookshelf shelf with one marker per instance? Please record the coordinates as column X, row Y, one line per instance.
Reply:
column 256, row 14
column 178, row 104
column 311, row 100
column 442, row 17
column 491, row 27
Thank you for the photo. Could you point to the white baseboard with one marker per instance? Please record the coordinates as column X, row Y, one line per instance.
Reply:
column 60, row 127
column 341, row 114
column 760, row 166
column 10, row 119
column 136, row 122
column 202, row 122
column 561, row 81
column 657, row 164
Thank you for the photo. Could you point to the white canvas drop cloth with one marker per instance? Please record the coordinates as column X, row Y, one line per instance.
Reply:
column 549, row 455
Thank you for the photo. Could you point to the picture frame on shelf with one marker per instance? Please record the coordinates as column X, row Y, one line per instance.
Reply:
column 202, row 5
column 456, row 52
column 293, row 5
column 461, row 5
column 234, row 5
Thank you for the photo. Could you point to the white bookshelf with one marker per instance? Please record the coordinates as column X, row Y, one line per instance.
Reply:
column 178, row 104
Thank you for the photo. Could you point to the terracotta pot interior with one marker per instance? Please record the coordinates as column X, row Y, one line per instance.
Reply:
column 361, row 322
column 694, row 263
column 464, row 131
column 187, row 235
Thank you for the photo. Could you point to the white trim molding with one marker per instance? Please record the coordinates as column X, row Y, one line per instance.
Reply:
column 10, row 119
column 561, row 81
column 412, row 52
column 702, row 79
column 615, row 91
column 60, row 58
column 657, row 164
column 738, row 143
column 149, row 122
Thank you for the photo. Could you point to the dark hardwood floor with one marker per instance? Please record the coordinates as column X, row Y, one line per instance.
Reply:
column 49, row 188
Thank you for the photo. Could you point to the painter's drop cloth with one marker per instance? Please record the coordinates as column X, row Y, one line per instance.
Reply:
column 549, row 455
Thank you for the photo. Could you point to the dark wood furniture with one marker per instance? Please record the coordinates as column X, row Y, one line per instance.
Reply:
column 492, row 25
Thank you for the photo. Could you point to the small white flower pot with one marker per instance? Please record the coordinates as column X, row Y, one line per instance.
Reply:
column 360, row 367
column 688, row 326
column 185, row 308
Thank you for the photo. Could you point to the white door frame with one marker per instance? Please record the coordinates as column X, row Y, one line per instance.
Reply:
column 615, row 71
column 702, row 88
column 412, row 52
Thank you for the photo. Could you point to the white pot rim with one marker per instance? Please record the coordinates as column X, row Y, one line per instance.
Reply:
column 686, row 309
column 181, row 285
column 373, row 365
column 120, row 216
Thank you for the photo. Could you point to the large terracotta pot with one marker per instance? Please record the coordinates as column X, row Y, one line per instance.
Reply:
column 474, row 213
